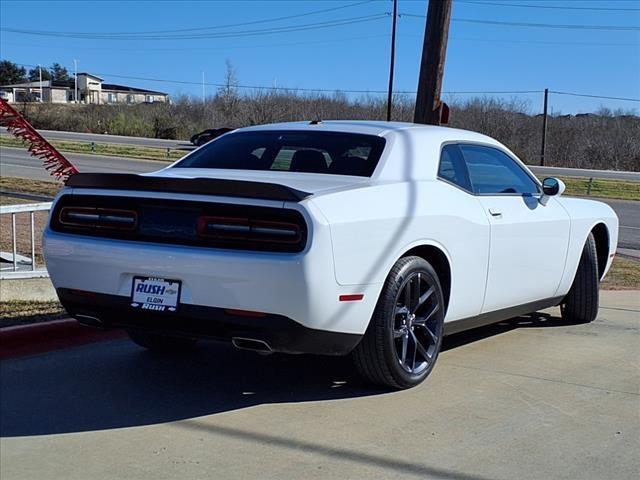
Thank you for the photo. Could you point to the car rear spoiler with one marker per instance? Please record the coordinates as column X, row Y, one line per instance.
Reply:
column 202, row 186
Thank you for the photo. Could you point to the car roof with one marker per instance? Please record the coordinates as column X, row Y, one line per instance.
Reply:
column 376, row 127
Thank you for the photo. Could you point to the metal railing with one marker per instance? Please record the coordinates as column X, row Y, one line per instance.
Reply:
column 14, row 265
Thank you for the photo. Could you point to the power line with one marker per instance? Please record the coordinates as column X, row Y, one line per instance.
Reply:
column 250, row 87
column 595, row 96
column 246, row 87
column 554, row 7
column 227, row 47
column 290, row 89
column 213, row 27
column 232, row 34
column 533, row 42
column 535, row 25
column 332, row 90
column 330, row 40
column 494, row 92
column 231, row 25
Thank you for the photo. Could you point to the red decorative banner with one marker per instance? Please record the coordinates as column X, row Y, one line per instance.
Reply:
column 52, row 160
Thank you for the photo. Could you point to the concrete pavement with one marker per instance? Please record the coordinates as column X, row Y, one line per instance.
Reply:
column 530, row 398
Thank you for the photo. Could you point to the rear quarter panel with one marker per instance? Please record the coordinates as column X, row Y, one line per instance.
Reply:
column 372, row 227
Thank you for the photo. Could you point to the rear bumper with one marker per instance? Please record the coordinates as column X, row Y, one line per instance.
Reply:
column 301, row 287
column 280, row 333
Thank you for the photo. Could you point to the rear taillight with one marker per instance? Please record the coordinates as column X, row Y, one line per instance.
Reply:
column 249, row 230
column 181, row 222
column 102, row 218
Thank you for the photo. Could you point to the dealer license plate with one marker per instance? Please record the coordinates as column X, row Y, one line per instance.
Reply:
column 157, row 294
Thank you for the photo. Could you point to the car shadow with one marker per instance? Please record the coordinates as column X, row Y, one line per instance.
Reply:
column 530, row 320
column 115, row 384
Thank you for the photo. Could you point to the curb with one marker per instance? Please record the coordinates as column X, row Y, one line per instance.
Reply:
column 23, row 340
column 629, row 253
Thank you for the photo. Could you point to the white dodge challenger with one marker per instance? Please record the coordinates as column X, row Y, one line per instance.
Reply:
column 367, row 238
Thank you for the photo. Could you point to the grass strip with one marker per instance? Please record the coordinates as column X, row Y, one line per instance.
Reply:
column 601, row 188
column 23, row 312
column 26, row 185
column 623, row 275
column 91, row 148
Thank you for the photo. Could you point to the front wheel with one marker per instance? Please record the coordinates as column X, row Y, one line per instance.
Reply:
column 581, row 303
column 161, row 343
column 403, row 339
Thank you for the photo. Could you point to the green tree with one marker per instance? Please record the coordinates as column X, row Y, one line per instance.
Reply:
column 34, row 74
column 11, row 73
column 58, row 72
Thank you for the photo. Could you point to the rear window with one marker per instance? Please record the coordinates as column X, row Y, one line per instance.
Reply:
column 291, row 151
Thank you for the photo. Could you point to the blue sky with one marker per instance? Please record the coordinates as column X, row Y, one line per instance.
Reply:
column 354, row 56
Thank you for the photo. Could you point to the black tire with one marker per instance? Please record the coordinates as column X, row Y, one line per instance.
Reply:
column 581, row 303
column 161, row 343
column 378, row 357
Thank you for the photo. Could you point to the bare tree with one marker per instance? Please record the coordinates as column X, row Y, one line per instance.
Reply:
column 228, row 94
column 606, row 139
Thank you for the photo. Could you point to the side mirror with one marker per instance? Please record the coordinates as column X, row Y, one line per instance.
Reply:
column 551, row 187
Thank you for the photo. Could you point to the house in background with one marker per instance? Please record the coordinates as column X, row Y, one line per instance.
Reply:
column 91, row 90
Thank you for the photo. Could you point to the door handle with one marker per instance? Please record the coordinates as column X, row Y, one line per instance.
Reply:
column 495, row 213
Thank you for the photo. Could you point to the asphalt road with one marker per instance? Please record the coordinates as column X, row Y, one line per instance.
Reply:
column 527, row 399
column 629, row 216
column 16, row 162
column 116, row 139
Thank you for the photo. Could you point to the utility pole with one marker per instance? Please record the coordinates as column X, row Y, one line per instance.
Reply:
column 40, row 74
column 543, row 150
column 203, row 97
column 393, row 58
column 434, row 49
column 75, row 68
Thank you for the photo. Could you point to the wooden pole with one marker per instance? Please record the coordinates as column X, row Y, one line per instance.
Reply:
column 393, row 57
column 543, row 149
column 434, row 50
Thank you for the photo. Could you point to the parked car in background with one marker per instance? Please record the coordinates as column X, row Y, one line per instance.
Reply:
column 374, row 239
column 207, row 135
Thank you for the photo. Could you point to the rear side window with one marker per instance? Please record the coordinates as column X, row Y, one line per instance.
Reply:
column 452, row 167
column 492, row 171
column 335, row 153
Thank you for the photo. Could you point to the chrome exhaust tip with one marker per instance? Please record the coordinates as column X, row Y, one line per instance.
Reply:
column 89, row 321
column 259, row 346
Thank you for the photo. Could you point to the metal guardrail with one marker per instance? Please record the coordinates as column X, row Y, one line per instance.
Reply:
column 20, row 266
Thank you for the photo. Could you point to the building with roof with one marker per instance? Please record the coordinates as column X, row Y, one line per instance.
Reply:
column 91, row 90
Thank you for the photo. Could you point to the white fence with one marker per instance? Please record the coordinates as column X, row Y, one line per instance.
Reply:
column 14, row 264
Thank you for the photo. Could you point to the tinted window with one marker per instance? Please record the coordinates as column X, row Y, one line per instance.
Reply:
column 294, row 151
column 492, row 171
column 452, row 167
